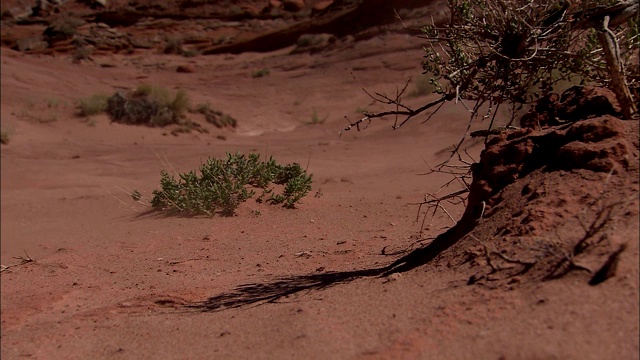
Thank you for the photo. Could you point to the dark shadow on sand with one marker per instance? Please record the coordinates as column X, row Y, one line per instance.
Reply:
column 261, row 293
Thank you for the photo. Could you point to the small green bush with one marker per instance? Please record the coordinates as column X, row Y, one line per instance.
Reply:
column 93, row 105
column 313, row 42
column 223, row 184
column 315, row 119
column 190, row 53
column 215, row 117
column 148, row 105
column 173, row 45
column 63, row 28
column 260, row 73
column 307, row 40
column 4, row 137
column 180, row 103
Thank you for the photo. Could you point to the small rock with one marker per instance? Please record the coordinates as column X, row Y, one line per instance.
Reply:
column 185, row 69
column 322, row 5
column 34, row 43
column 275, row 4
column 392, row 277
column 17, row 13
column 293, row 5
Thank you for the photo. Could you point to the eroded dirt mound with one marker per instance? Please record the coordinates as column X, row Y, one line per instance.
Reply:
column 550, row 200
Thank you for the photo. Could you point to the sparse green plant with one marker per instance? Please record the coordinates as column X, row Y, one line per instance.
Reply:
column 299, row 101
column 53, row 103
column 82, row 52
column 236, row 11
column 295, row 189
column 190, row 53
column 306, row 40
column 62, row 28
column 223, row 184
column 158, row 92
column 93, row 105
column 224, row 39
column 148, row 105
column 4, row 137
column 215, row 117
column 187, row 127
column 173, row 45
column 136, row 195
column 202, row 108
column 260, row 73
column 315, row 119
column 180, row 103
column 313, row 42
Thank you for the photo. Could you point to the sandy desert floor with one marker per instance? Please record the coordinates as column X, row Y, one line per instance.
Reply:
column 110, row 280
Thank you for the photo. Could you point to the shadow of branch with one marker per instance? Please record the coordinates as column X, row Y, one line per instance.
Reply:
column 261, row 293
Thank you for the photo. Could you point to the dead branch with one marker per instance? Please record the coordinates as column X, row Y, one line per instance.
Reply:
column 435, row 204
column 23, row 260
column 408, row 113
column 619, row 85
column 567, row 262
column 527, row 264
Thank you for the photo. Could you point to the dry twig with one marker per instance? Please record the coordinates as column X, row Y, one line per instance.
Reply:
column 23, row 260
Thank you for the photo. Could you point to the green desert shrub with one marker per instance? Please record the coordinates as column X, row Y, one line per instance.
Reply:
column 4, row 137
column 173, row 46
column 62, row 28
column 223, row 184
column 93, row 105
column 260, row 73
column 148, row 105
column 313, row 42
column 316, row 119
column 216, row 117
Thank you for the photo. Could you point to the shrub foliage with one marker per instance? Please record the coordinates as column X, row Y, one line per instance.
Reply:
column 516, row 51
column 93, row 105
column 489, row 54
column 223, row 184
column 148, row 105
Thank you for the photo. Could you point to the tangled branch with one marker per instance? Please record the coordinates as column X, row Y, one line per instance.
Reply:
column 514, row 52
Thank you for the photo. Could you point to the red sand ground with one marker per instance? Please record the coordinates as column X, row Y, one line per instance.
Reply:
column 110, row 281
